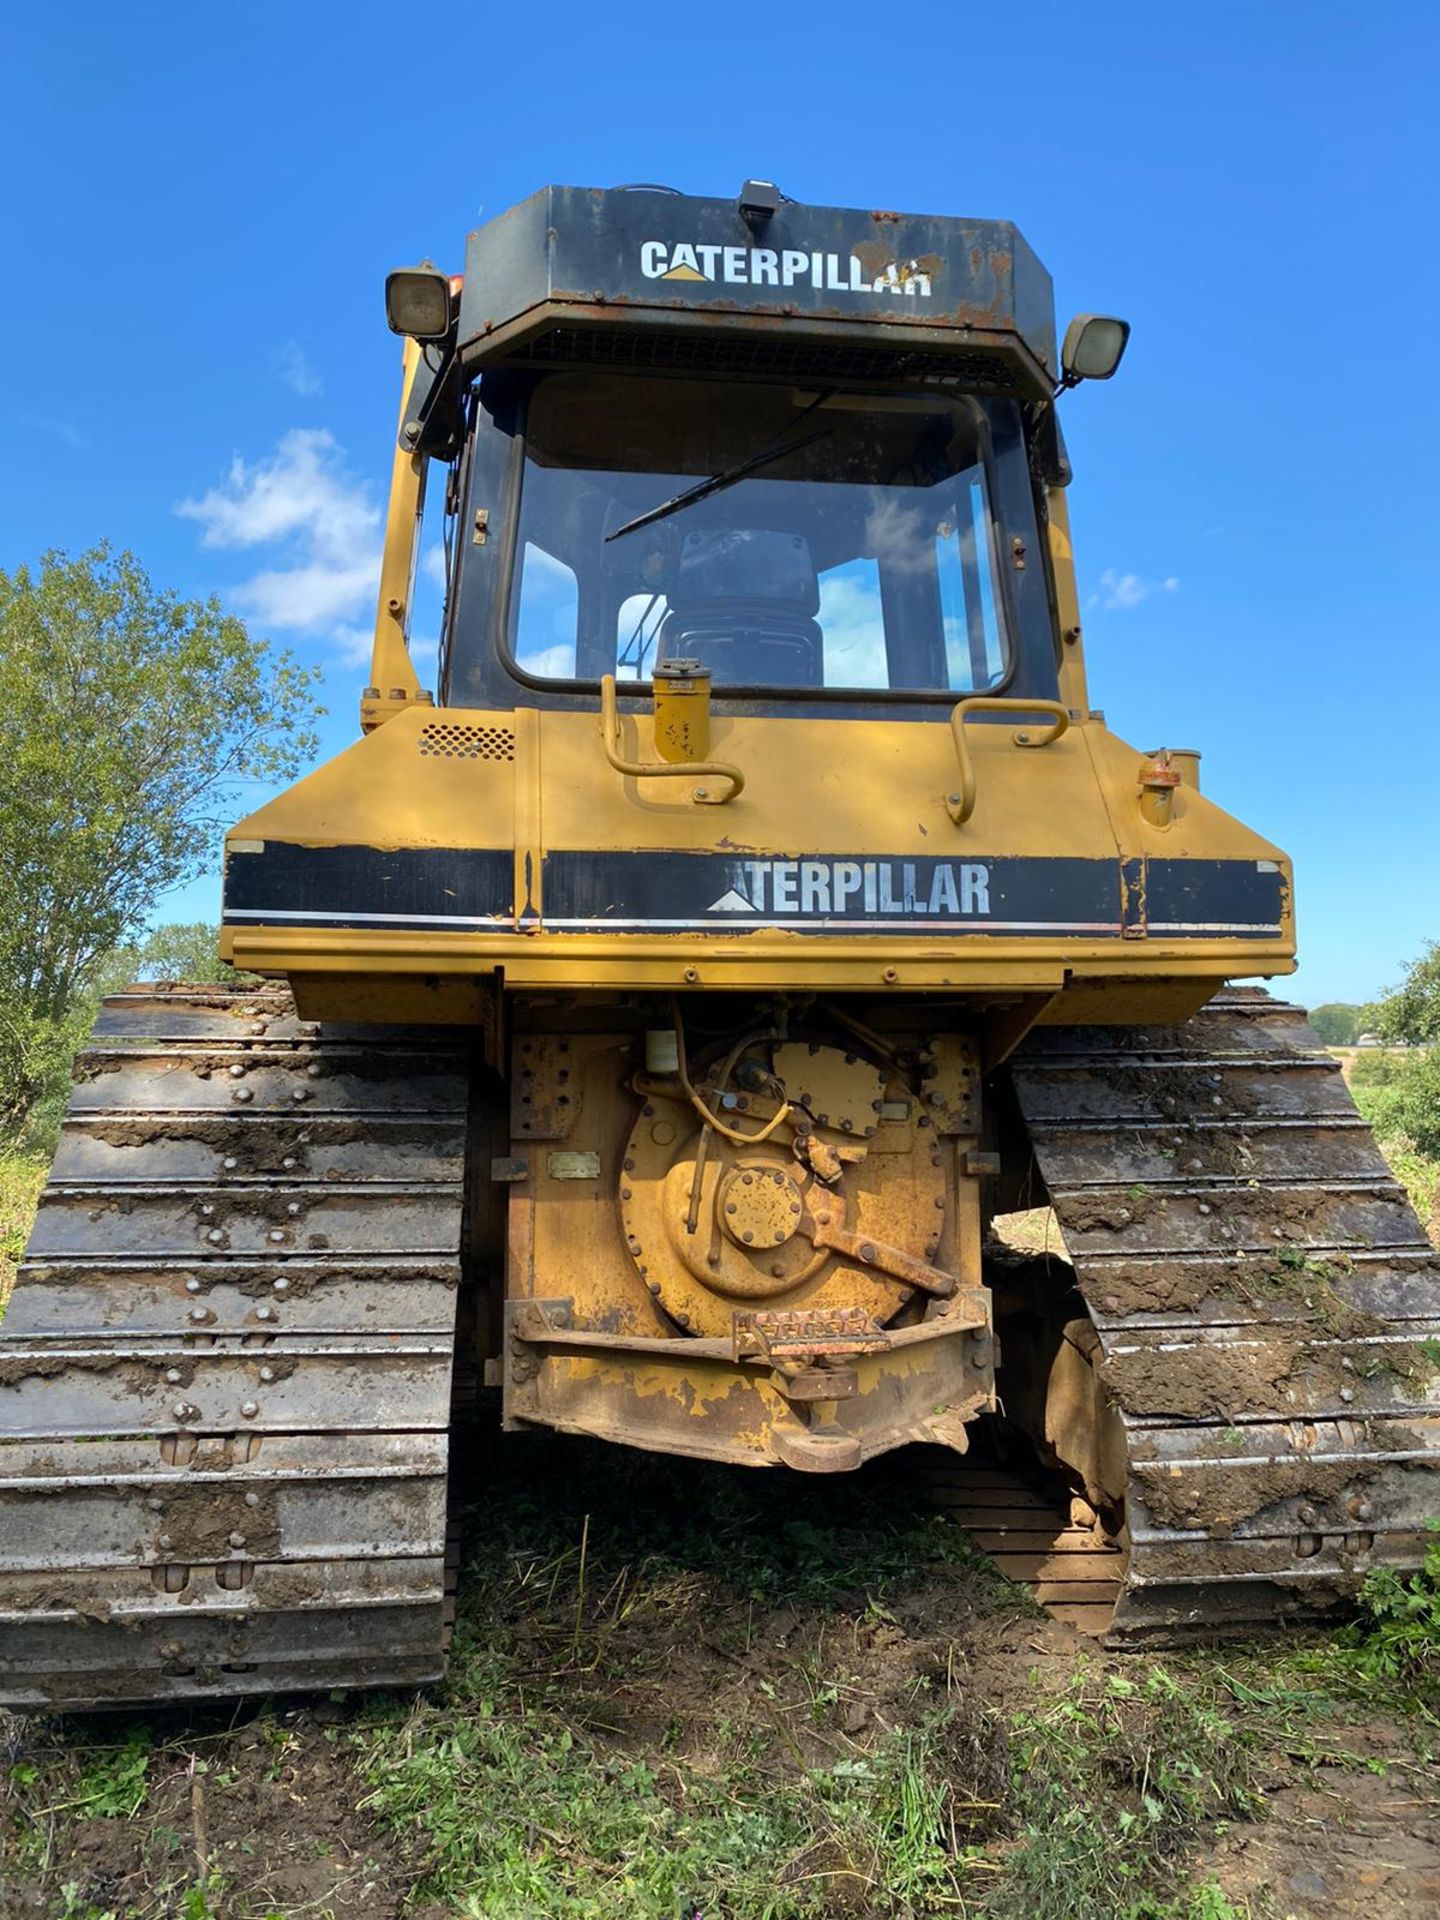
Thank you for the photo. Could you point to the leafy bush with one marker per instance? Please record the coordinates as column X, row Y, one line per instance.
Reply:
column 1402, row 1099
column 1401, row 1639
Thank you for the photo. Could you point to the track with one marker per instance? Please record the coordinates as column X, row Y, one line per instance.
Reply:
column 1267, row 1309
column 1036, row 1536
column 225, row 1372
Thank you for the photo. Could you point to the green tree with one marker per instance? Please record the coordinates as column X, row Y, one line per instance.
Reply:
column 1337, row 1023
column 1410, row 1013
column 188, row 950
column 127, row 716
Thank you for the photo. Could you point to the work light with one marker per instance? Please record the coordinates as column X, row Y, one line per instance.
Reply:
column 1094, row 347
column 417, row 302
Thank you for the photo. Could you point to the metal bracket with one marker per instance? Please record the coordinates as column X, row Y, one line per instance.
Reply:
column 881, row 1258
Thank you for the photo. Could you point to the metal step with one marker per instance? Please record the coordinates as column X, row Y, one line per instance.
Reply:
column 225, row 1370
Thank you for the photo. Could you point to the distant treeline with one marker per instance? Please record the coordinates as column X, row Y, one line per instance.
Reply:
column 1340, row 1024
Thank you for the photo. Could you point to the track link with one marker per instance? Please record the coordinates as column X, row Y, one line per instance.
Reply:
column 1266, row 1305
column 225, row 1370
column 1036, row 1534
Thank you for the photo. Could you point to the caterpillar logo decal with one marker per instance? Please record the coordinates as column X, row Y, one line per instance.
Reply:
column 789, row 267
column 936, row 889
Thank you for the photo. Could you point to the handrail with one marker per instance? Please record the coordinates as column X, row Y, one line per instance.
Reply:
column 662, row 769
column 961, row 804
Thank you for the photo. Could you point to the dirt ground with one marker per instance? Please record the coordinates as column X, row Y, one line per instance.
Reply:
column 688, row 1691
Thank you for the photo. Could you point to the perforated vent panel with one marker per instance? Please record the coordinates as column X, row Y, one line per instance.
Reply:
column 768, row 353
column 452, row 741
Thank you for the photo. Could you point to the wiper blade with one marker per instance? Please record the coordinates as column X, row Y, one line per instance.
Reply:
column 717, row 482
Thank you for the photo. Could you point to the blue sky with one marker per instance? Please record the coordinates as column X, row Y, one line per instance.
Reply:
column 199, row 206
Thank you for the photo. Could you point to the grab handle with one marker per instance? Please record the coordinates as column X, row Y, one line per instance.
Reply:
column 662, row 769
column 961, row 804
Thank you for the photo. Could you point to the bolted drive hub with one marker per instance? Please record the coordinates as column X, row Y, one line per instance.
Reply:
column 759, row 1206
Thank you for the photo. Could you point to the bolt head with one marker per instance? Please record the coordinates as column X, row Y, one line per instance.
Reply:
column 252, row 1499
column 289, row 1163
column 314, row 1070
column 299, row 1093
column 237, row 1072
column 265, row 1312
column 242, row 1094
column 229, row 1163
column 276, row 1234
column 282, row 1285
column 172, row 1374
column 192, row 1285
column 267, row 1373
column 200, row 1315
column 237, row 1539
column 248, row 1409
column 293, row 1208
column 215, row 1236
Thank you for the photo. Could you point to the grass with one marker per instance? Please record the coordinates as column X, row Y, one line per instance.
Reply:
column 1116, row 1781
column 1419, row 1174
column 579, row 1765
column 22, row 1174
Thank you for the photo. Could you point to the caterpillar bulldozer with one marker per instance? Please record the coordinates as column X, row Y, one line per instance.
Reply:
column 652, row 1020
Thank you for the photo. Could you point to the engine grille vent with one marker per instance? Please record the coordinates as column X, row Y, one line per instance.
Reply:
column 768, row 353
column 451, row 741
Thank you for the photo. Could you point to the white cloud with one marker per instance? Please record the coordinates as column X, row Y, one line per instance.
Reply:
column 303, row 500
column 853, row 622
column 432, row 566
column 292, row 364
column 1121, row 591
column 353, row 643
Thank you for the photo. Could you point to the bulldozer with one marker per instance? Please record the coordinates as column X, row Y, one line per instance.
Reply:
column 650, row 1022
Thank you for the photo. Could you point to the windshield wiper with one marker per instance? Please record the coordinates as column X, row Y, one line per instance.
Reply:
column 773, row 450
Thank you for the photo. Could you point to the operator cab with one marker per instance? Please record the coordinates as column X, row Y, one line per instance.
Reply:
column 803, row 448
